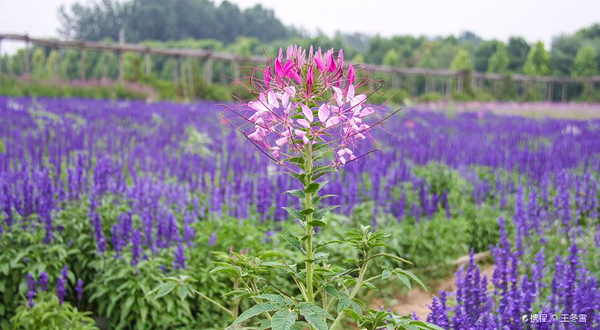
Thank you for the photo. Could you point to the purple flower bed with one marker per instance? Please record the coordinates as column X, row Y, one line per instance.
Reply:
column 173, row 163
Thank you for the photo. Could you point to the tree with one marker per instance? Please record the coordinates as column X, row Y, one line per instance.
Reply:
column 462, row 61
column 499, row 61
column 427, row 60
column 563, row 52
column 483, row 53
column 538, row 61
column 169, row 20
column 585, row 64
column 517, row 50
column 391, row 58
column 38, row 64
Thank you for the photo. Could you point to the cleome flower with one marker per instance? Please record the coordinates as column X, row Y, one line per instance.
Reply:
column 308, row 98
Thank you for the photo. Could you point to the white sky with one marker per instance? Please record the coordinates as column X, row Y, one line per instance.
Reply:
column 532, row 19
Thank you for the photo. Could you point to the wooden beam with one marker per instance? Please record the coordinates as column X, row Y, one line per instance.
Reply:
column 563, row 97
column 207, row 54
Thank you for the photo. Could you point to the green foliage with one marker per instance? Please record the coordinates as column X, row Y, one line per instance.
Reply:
column 391, row 58
column 585, row 64
column 499, row 61
column 48, row 314
column 431, row 97
column 169, row 20
column 484, row 54
column 17, row 87
column 538, row 61
column 517, row 49
column 462, row 61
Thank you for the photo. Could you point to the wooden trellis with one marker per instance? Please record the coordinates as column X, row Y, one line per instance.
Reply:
column 435, row 78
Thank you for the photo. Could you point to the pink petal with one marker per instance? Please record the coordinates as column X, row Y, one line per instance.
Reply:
column 273, row 100
column 332, row 121
column 307, row 113
column 323, row 113
column 319, row 64
column 304, row 123
column 278, row 68
column 350, row 74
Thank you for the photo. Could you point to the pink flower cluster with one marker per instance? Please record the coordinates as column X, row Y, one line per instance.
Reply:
column 309, row 99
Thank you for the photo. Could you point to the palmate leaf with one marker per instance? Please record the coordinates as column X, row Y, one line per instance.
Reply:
column 283, row 320
column 315, row 315
column 281, row 300
column 255, row 310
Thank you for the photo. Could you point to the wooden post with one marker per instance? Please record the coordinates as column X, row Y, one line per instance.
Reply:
column 563, row 97
column 82, row 64
column 460, row 83
column 208, row 65
column 236, row 70
column 121, row 68
column 27, row 64
column 551, row 91
column 176, row 71
column 148, row 64
column 121, row 42
column 448, row 87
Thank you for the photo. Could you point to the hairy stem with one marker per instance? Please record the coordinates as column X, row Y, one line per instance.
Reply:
column 309, row 229
column 359, row 282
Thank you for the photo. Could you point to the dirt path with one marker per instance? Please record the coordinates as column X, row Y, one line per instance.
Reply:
column 417, row 300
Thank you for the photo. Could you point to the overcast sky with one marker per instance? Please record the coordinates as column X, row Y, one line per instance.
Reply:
column 532, row 19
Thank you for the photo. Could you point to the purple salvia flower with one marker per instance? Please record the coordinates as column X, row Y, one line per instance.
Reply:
column 79, row 289
column 31, row 289
column 61, row 289
column 180, row 258
column 44, row 281
column 136, row 247
column 213, row 239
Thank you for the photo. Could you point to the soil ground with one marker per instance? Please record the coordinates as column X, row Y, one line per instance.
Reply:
column 417, row 299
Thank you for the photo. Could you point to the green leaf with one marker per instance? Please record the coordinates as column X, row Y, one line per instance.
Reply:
column 294, row 242
column 386, row 274
column 404, row 280
column 322, row 172
column 225, row 269
column 296, row 193
column 283, row 320
column 324, row 210
column 314, row 320
column 318, row 223
column 127, row 307
column 353, row 314
column 413, row 277
column 312, row 188
column 294, row 213
column 255, row 310
column 164, row 289
column 275, row 298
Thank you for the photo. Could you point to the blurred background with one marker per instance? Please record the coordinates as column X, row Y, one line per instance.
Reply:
column 423, row 50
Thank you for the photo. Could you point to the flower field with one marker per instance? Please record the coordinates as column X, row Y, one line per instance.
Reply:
column 101, row 200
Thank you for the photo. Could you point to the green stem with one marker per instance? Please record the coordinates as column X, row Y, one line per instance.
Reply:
column 309, row 229
column 359, row 282
column 216, row 304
